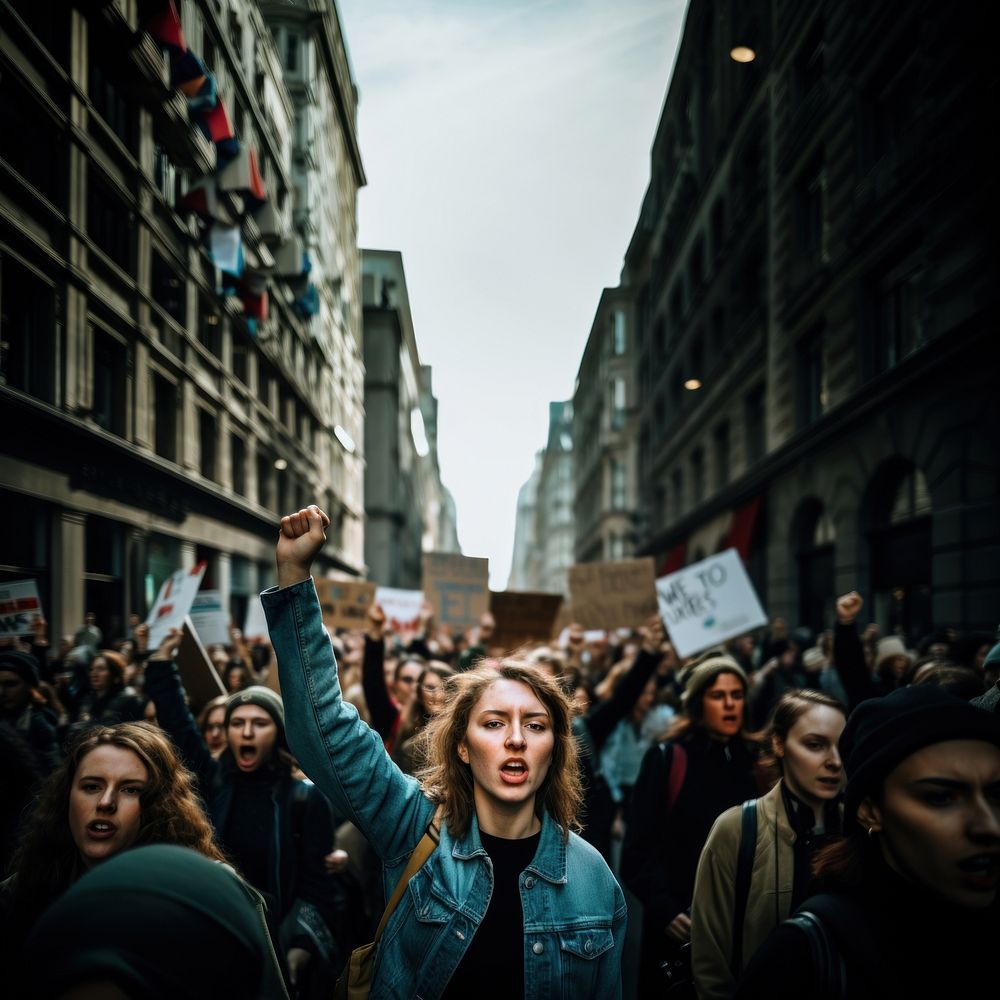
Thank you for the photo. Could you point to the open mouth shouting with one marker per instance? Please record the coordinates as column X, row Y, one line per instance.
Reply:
column 100, row 829
column 514, row 771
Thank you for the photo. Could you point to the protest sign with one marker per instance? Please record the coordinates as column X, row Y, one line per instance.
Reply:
column 255, row 626
column 198, row 673
column 708, row 602
column 610, row 595
column 20, row 606
column 345, row 603
column 173, row 603
column 210, row 618
column 523, row 617
column 401, row 607
column 457, row 587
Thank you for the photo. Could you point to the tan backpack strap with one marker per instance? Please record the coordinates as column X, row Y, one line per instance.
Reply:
column 424, row 849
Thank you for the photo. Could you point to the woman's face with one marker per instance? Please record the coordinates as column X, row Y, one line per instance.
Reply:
column 508, row 745
column 105, row 808
column 99, row 675
column 645, row 701
column 234, row 680
column 215, row 730
column 432, row 692
column 810, row 761
column 252, row 737
column 939, row 820
column 406, row 683
column 722, row 707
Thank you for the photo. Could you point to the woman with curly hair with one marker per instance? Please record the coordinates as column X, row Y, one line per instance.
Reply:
column 117, row 787
column 511, row 900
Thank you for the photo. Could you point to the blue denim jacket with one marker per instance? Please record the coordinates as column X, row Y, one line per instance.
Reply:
column 574, row 910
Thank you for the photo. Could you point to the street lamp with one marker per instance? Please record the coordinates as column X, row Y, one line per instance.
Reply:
column 280, row 464
column 692, row 384
column 742, row 54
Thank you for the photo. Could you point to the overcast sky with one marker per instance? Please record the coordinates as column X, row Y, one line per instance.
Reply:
column 506, row 145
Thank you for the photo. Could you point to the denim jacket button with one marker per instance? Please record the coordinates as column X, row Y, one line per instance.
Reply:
column 529, row 882
column 589, row 946
column 538, row 947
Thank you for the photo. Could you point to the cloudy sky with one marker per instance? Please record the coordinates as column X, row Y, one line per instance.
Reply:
column 506, row 144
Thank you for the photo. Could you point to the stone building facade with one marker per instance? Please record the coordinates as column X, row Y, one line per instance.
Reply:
column 815, row 301
column 158, row 411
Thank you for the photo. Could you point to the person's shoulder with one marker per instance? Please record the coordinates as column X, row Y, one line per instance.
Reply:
column 580, row 854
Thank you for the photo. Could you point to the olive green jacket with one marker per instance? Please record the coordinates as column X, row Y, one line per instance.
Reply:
column 769, row 901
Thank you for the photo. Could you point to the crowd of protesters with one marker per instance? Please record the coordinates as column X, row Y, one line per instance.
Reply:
column 790, row 814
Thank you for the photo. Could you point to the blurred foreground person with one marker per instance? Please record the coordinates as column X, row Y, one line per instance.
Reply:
column 276, row 829
column 156, row 923
column 910, row 904
column 118, row 787
column 755, row 868
column 509, row 902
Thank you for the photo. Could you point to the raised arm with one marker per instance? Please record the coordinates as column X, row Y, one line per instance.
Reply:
column 344, row 757
column 383, row 713
column 848, row 653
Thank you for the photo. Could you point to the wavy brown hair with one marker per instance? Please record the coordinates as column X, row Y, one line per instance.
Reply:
column 447, row 780
column 48, row 860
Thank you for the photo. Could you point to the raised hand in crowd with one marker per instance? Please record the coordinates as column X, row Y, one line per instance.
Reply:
column 301, row 537
column 849, row 607
column 142, row 639
column 375, row 627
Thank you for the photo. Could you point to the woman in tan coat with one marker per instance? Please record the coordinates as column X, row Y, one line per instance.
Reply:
column 797, row 817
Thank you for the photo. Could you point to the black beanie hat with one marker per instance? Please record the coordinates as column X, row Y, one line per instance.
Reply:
column 882, row 732
column 25, row 666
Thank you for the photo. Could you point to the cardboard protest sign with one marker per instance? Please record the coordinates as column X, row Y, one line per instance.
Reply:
column 20, row 606
column 610, row 595
column 210, row 618
column 401, row 607
column 255, row 626
column 345, row 603
column 173, row 603
column 198, row 673
column 458, row 588
column 708, row 602
column 523, row 617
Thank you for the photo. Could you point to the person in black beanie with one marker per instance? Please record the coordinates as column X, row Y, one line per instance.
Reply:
column 23, row 708
column 277, row 830
column 910, row 901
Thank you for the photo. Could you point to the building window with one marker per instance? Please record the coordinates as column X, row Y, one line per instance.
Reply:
column 40, row 161
column 238, row 452
column 618, row 344
column 110, row 100
column 27, row 331
column 617, row 402
column 810, row 378
column 265, row 481
column 169, row 291
column 165, row 417
column 110, row 366
column 209, row 328
column 895, row 316
column 108, row 221
column 754, row 423
column 808, row 212
column 619, row 494
column 207, row 438
column 264, row 380
column 697, row 475
column 292, row 52
column 241, row 355
column 807, row 69
column 721, row 440
column 814, row 535
column 165, row 176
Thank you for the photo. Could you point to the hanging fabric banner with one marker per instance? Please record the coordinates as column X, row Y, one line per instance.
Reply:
column 225, row 246
column 165, row 27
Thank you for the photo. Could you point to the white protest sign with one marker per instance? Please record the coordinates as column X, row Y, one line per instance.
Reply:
column 255, row 627
column 173, row 603
column 20, row 606
column 708, row 602
column 210, row 618
column 401, row 607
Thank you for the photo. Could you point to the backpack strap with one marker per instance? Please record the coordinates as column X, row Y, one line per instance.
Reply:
column 744, row 873
column 829, row 971
column 676, row 773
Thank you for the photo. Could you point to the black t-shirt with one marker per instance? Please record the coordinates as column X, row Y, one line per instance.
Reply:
column 493, row 965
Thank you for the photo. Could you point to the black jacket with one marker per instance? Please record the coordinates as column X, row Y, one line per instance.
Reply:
column 299, row 888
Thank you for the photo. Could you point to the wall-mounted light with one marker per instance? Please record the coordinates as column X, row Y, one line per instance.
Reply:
column 344, row 438
column 742, row 54
column 280, row 464
column 692, row 384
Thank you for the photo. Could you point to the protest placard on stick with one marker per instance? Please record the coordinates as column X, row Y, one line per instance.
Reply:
column 173, row 603
column 401, row 607
column 210, row 618
column 457, row 587
column 708, row 602
column 255, row 626
column 345, row 603
column 523, row 617
column 20, row 607
column 198, row 673
column 610, row 595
